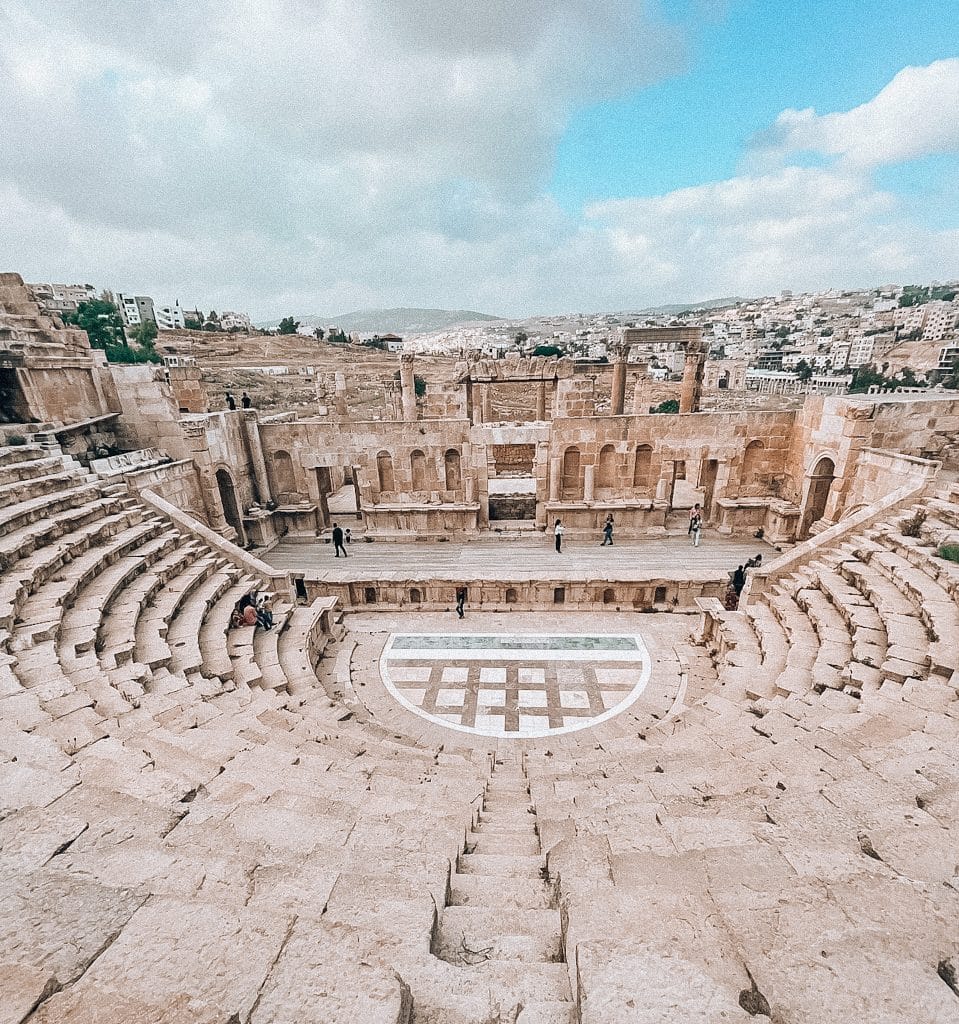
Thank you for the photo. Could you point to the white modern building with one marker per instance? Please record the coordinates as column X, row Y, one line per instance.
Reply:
column 230, row 321
column 170, row 318
column 135, row 309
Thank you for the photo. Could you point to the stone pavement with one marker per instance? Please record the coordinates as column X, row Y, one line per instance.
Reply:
column 520, row 559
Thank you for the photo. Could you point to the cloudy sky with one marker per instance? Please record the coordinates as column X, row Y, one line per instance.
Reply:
column 510, row 156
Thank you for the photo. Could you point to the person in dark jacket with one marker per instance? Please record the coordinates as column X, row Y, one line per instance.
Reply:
column 338, row 541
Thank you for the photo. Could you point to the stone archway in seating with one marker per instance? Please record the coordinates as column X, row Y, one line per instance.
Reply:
column 819, row 483
column 231, row 507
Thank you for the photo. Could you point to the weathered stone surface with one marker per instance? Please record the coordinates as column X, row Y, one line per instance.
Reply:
column 322, row 974
column 60, row 923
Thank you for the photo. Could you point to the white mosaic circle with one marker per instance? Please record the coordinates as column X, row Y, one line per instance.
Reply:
column 515, row 685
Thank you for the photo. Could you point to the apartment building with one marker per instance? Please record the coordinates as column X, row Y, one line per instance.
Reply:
column 135, row 309
column 170, row 318
column 62, row 298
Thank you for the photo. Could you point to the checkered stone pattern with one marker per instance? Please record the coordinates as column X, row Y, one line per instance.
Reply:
column 514, row 685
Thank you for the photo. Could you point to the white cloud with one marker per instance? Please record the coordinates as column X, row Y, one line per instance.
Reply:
column 915, row 115
column 319, row 155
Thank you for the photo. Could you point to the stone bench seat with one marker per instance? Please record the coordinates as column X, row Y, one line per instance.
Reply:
column 212, row 637
column 81, row 622
column 153, row 624
column 30, row 469
column 183, row 631
column 19, row 491
column 41, row 614
column 116, row 633
column 33, row 572
column 36, row 534
column 835, row 641
column 266, row 653
column 36, row 509
column 11, row 454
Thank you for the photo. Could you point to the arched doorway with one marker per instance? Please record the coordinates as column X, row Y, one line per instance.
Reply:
column 817, row 494
column 231, row 509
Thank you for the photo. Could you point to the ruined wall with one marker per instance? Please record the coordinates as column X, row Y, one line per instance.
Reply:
column 150, row 415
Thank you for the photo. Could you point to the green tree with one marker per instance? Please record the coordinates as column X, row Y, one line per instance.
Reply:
column 193, row 325
column 803, row 369
column 521, row 337
column 145, row 333
column 318, row 333
column 669, row 406
column 101, row 320
column 288, row 326
column 548, row 350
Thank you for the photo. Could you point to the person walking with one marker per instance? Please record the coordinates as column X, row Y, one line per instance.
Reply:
column 338, row 541
column 461, row 601
column 739, row 580
column 694, row 513
column 230, row 402
column 607, row 531
column 695, row 527
column 558, row 532
column 246, row 400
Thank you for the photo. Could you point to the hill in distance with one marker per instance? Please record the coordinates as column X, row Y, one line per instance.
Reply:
column 402, row 321
column 684, row 307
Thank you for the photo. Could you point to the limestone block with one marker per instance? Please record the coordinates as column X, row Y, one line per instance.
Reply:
column 54, row 922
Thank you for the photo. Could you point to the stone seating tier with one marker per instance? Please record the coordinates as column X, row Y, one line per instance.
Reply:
column 177, row 845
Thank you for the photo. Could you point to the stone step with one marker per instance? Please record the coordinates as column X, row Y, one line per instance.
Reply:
column 506, row 865
column 551, row 1012
column 526, row 936
column 519, row 802
column 490, row 825
column 491, row 891
column 508, row 817
column 523, row 844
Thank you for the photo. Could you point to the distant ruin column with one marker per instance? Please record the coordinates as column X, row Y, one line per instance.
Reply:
column 641, row 390
column 251, row 430
column 555, row 472
column 541, row 400
column 589, row 473
column 339, row 395
column 618, row 397
column 487, row 404
column 408, row 387
column 692, row 386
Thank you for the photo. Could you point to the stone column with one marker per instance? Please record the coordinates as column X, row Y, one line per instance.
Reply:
column 692, row 386
column 618, row 397
column 408, row 387
column 339, row 395
column 251, row 431
column 555, row 474
column 541, row 400
column 487, row 404
column 589, row 474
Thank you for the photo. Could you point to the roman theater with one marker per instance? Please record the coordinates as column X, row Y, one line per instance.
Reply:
column 605, row 795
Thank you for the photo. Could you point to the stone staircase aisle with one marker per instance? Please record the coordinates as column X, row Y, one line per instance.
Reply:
column 501, row 923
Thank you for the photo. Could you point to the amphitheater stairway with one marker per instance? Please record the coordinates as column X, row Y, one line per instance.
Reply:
column 501, row 924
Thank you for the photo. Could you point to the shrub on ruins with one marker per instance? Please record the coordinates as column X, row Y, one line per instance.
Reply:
column 950, row 552
column 288, row 326
column 669, row 406
column 548, row 350
column 912, row 526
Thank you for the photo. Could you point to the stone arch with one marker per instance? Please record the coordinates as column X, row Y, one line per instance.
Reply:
column 609, row 596
column 416, row 595
column 452, row 469
column 228, row 499
column 642, row 467
column 571, row 482
column 511, row 595
column 281, row 467
column 819, row 483
column 384, row 471
column 749, row 476
column 606, row 467
column 418, row 470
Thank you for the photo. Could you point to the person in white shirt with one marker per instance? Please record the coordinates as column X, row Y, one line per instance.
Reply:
column 558, row 532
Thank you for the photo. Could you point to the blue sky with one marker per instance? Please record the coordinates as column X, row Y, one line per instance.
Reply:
column 514, row 156
column 743, row 68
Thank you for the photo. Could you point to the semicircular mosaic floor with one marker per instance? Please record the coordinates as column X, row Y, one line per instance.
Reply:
column 515, row 685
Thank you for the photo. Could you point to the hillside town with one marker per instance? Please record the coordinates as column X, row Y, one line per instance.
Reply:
column 830, row 342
